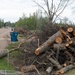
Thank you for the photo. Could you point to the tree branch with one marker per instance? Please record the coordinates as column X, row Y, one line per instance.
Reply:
column 41, row 7
column 61, row 10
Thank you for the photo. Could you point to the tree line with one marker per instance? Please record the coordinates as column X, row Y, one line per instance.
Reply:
column 6, row 24
column 33, row 22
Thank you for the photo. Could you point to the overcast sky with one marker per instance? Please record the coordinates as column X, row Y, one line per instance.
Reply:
column 11, row 10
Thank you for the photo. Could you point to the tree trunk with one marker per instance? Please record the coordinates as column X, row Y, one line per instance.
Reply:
column 47, row 44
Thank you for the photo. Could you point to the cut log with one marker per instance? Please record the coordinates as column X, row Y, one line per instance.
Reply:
column 59, row 46
column 47, row 44
column 62, row 45
column 58, row 40
column 70, row 29
column 30, row 68
column 65, row 69
column 65, row 34
column 5, row 52
column 68, row 43
column 56, row 63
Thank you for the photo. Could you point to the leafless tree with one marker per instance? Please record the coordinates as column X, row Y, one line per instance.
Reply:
column 54, row 8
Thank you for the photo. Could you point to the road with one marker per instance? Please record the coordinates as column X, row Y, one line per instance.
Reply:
column 4, row 37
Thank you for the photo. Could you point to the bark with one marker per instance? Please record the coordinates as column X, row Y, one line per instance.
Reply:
column 63, row 32
column 47, row 44
column 59, row 46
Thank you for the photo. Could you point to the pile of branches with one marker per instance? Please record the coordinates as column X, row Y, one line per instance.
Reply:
column 55, row 55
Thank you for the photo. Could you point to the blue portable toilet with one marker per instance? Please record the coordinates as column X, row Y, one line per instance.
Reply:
column 14, row 36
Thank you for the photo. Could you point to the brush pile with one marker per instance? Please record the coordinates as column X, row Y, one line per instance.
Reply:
column 55, row 55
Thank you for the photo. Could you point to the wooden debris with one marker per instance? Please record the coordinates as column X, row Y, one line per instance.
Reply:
column 56, row 63
column 64, row 64
column 60, row 46
column 47, row 44
column 58, row 40
column 65, row 69
column 54, row 55
column 70, row 29
column 49, row 69
column 28, row 68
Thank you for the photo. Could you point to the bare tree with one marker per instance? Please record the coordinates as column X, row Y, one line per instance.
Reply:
column 54, row 8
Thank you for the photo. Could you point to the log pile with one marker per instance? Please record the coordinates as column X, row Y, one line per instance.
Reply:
column 55, row 56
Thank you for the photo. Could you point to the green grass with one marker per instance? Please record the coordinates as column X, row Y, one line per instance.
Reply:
column 12, row 45
column 14, row 53
column 4, row 65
